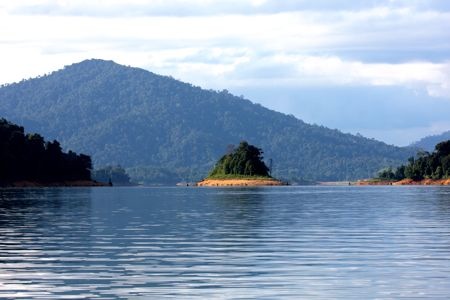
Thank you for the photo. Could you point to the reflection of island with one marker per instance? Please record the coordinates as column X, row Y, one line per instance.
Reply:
column 243, row 166
column 28, row 160
column 241, row 211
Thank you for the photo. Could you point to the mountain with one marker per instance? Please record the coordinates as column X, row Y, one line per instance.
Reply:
column 162, row 129
column 428, row 143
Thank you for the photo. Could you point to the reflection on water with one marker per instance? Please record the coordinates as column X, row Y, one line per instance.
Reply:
column 265, row 243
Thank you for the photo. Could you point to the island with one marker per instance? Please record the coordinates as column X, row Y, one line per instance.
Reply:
column 112, row 175
column 243, row 166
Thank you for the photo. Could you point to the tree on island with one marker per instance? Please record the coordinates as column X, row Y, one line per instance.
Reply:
column 245, row 160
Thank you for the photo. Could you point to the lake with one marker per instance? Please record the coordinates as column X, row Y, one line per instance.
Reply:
column 235, row 243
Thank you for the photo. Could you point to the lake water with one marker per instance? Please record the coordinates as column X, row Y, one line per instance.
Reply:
column 264, row 243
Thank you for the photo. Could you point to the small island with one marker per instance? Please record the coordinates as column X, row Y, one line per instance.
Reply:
column 243, row 166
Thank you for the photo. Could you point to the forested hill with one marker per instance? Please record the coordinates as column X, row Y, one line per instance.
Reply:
column 164, row 129
column 428, row 143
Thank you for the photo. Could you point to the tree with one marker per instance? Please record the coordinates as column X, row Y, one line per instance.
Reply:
column 445, row 161
column 434, row 165
column 438, row 173
column 112, row 174
column 386, row 174
column 400, row 173
column 29, row 157
column 443, row 148
column 245, row 160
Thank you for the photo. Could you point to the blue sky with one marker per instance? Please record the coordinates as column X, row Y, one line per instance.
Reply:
column 378, row 68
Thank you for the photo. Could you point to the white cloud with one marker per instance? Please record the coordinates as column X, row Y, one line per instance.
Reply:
column 246, row 68
column 203, row 7
column 435, row 77
column 289, row 48
column 250, row 45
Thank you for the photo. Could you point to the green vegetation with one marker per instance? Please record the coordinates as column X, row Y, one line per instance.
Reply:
column 434, row 165
column 164, row 131
column 114, row 175
column 391, row 174
column 235, row 176
column 30, row 158
column 246, row 161
column 160, row 175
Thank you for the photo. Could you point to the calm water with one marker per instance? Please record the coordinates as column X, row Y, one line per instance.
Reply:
column 265, row 243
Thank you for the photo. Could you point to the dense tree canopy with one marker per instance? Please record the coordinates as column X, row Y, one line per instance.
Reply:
column 426, row 165
column 245, row 160
column 30, row 157
column 155, row 125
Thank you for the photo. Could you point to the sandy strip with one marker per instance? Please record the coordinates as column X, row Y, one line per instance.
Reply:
column 406, row 181
column 240, row 182
column 423, row 182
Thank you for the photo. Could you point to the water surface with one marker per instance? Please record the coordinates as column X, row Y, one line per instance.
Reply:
column 265, row 243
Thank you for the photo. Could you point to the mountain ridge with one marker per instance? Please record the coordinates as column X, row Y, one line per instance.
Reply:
column 428, row 143
column 138, row 119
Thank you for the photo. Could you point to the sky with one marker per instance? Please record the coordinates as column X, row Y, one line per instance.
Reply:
column 380, row 68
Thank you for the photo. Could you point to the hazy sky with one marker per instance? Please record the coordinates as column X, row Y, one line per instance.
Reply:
column 377, row 67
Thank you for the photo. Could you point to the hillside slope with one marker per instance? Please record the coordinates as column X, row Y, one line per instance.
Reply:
column 164, row 129
column 428, row 143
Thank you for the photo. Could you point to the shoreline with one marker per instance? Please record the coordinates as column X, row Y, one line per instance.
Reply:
column 239, row 182
column 406, row 181
column 37, row 184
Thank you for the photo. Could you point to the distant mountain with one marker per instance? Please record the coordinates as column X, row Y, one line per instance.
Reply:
column 165, row 130
column 428, row 143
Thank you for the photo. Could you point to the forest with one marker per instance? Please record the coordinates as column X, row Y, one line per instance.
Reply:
column 435, row 165
column 162, row 130
column 28, row 157
column 245, row 160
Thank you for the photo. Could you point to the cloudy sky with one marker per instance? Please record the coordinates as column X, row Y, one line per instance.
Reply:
column 377, row 67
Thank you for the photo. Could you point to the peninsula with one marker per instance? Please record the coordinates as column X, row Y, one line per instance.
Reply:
column 425, row 169
column 27, row 160
column 243, row 166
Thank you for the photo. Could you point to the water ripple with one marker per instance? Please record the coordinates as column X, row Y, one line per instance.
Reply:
column 266, row 243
